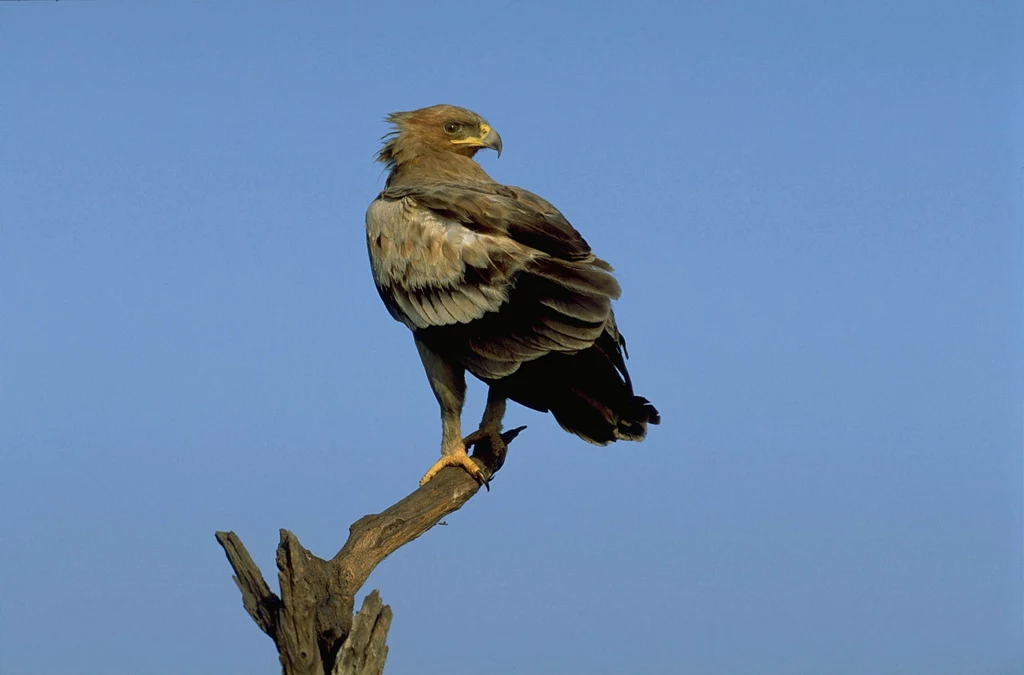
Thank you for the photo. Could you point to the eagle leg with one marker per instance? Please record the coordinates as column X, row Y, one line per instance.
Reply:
column 448, row 381
column 490, row 425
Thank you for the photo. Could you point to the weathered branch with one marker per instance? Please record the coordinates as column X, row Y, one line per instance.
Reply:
column 364, row 651
column 261, row 603
column 312, row 622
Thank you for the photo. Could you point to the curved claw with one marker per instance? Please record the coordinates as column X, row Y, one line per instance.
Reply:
column 461, row 459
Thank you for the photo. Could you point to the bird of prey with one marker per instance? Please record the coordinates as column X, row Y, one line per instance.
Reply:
column 494, row 280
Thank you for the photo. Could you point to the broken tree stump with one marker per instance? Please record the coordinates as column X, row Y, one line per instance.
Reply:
column 312, row 622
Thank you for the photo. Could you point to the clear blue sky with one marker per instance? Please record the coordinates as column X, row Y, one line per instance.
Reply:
column 815, row 213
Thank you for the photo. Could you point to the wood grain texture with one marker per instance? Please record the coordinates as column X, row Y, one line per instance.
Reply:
column 312, row 621
column 364, row 651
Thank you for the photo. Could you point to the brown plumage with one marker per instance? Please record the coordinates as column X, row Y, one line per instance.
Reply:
column 494, row 280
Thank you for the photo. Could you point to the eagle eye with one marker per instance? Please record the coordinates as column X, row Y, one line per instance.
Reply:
column 452, row 127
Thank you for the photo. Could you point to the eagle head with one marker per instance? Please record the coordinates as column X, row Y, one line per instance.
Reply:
column 439, row 128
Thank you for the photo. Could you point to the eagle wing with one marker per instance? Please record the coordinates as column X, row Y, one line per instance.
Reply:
column 488, row 275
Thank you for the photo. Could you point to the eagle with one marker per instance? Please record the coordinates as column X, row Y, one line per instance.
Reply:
column 494, row 280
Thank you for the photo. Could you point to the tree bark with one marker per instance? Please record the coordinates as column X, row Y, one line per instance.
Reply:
column 312, row 621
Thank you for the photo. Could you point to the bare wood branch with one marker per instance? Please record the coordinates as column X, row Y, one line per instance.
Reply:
column 261, row 603
column 364, row 651
column 311, row 622
column 296, row 636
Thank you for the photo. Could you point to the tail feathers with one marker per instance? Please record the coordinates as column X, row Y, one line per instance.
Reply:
column 633, row 427
column 588, row 392
column 600, row 424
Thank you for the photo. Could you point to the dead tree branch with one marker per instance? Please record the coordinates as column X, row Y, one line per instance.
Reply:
column 312, row 621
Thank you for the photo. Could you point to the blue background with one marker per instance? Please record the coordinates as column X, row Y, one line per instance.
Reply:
column 815, row 214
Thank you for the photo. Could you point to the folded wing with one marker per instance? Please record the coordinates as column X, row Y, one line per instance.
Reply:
column 488, row 275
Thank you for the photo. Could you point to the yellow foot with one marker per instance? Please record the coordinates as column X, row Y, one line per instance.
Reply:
column 457, row 458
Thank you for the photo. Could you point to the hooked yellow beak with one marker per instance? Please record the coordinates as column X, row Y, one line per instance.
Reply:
column 489, row 138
